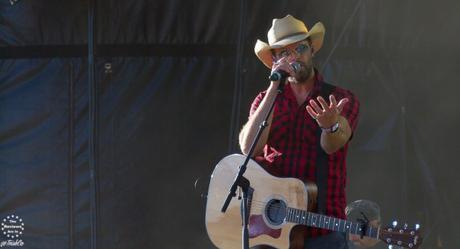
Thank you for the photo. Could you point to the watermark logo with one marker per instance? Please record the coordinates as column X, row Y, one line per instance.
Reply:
column 12, row 227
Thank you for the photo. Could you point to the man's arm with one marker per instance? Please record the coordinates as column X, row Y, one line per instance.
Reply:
column 249, row 131
column 332, row 142
column 327, row 115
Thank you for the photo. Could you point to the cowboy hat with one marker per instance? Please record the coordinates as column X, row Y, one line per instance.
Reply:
column 285, row 31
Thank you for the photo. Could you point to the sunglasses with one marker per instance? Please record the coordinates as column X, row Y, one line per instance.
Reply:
column 299, row 50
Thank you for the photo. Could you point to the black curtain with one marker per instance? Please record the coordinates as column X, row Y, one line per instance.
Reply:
column 172, row 87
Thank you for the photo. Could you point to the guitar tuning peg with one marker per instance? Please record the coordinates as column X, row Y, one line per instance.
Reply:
column 395, row 223
column 417, row 227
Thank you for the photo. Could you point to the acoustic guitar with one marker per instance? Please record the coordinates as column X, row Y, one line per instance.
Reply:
column 276, row 205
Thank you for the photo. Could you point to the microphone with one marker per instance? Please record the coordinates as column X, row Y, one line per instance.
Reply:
column 278, row 75
column 281, row 74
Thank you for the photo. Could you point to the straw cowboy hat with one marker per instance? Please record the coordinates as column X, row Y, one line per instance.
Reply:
column 285, row 31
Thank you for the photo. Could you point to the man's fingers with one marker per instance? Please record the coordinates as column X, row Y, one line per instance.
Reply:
column 316, row 107
column 342, row 102
column 323, row 103
column 283, row 64
column 333, row 101
column 312, row 113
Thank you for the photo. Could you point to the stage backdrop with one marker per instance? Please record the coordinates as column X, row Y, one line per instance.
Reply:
column 110, row 111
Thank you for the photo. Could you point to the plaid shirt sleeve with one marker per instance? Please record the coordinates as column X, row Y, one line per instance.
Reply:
column 351, row 109
column 255, row 104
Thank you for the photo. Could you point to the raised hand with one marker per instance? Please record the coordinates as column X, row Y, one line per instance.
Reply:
column 284, row 64
column 326, row 115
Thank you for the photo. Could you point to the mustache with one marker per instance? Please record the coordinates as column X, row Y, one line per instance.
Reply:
column 304, row 72
column 304, row 65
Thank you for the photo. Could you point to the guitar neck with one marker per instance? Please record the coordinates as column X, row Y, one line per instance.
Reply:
column 330, row 223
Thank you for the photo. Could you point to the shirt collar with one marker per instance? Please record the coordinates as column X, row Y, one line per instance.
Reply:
column 315, row 91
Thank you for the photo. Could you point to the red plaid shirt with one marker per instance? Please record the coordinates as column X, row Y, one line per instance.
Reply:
column 292, row 145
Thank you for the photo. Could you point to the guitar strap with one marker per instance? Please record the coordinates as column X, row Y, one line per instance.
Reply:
column 322, row 165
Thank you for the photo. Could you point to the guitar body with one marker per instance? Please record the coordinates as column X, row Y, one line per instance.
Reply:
column 276, row 205
column 266, row 225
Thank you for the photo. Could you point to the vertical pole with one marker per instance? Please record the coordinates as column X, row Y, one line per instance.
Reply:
column 404, row 145
column 235, row 116
column 404, row 175
column 70, row 146
column 92, row 88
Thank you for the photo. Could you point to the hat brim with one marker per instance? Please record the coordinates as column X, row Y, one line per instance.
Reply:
column 263, row 50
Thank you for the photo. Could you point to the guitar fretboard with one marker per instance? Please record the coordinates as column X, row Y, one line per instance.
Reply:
column 330, row 223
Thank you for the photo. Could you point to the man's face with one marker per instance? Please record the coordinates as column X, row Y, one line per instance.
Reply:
column 365, row 242
column 300, row 52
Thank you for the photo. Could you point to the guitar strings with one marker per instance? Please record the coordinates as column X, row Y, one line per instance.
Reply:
column 277, row 206
column 274, row 207
column 262, row 204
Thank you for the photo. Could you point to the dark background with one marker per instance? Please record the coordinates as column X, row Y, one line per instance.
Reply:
column 109, row 160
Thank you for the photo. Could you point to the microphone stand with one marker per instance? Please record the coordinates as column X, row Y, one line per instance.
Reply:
column 240, row 180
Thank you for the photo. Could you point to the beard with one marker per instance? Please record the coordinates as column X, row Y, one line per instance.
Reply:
column 305, row 72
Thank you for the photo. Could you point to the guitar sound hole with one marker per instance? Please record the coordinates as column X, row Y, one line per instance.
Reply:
column 275, row 211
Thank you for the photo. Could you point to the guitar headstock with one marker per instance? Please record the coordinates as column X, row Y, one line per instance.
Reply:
column 401, row 236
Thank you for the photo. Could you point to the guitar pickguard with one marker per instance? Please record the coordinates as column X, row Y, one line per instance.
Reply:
column 258, row 227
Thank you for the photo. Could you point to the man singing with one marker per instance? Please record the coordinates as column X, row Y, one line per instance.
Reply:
column 310, row 126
